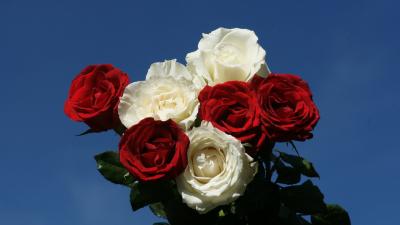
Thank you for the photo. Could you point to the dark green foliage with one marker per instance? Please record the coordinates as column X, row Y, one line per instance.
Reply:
column 334, row 215
column 286, row 174
column 305, row 198
column 299, row 163
column 289, row 217
column 264, row 202
column 158, row 210
column 109, row 166
column 143, row 194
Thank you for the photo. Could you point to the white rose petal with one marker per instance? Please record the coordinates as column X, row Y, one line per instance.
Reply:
column 228, row 54
column 218, row 169
column 168, row 92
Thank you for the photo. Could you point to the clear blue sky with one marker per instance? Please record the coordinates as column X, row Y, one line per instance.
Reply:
column 348, row 51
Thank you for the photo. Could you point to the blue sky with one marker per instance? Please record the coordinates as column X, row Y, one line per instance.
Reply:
column 348, row 51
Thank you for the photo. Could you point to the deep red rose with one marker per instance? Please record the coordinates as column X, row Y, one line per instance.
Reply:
column 154, row 150
column 94, row 95
column 288, row 111
column 232, row 108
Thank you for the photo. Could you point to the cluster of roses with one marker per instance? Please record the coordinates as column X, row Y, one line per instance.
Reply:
column 202, row 124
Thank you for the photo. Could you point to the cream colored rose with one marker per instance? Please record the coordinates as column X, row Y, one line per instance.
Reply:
column 218, row 169
column 167, row 93
column 228, row 54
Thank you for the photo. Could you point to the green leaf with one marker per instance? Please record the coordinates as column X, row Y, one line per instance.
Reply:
column 305, row 198
column 305, row 167
column 197, row 122
column 143, row 194
column 119, row 129
column 286, row 174
column 180, row 214
column 288, row 217
column 334, row 215
column 109, row 166
column 266, row 152
column 260, row 202
column 88, row 131
column 158, row 210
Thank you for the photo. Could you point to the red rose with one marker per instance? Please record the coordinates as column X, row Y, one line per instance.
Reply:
column 288, row 111
column 153, row 150
column 94, row 95
column 232, row 108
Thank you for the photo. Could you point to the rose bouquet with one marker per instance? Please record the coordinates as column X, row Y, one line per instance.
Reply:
column 198, row 141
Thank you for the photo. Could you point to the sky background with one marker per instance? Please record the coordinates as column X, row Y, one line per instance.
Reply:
column 348, row 51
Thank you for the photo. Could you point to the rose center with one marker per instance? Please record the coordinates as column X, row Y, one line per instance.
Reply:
column 208, row 162
column 167, row 104
column 228, row 54
column 167, row 101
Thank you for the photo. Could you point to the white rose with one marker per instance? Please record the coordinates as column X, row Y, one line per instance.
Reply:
column 218, row 169
column 228, row 54
column 167, row 93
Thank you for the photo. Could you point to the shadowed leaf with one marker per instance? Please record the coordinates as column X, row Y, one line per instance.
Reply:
column 334, row 215
column 286, row 174
column 143, row 194
column 305, row 198
column 109, row 166
column 305, row 167
column 158, row 210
